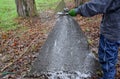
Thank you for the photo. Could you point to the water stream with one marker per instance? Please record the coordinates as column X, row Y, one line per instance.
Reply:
column 65, row 54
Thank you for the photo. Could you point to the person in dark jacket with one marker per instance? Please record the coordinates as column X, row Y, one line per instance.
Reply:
column 109, row 31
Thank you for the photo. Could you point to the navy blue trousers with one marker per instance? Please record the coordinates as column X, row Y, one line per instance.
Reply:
column 108, row 54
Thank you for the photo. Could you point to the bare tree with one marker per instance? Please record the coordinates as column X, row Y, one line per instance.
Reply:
column 26, row 8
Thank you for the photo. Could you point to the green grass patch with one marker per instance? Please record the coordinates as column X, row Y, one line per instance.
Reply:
column 8, row 12
column 43, row 5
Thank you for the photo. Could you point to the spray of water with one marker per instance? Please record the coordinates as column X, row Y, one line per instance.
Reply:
column 65, row 54
column 76, row 74
column 66, row 75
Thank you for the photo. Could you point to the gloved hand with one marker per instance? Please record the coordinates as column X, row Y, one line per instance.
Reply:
column 72, row 12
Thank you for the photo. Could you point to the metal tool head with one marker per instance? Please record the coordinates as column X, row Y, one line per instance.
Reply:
column 65, row 12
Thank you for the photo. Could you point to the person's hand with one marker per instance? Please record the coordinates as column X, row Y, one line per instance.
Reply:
column 72, row 12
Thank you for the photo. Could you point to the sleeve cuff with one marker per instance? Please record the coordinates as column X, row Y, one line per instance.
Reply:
column 77, row 10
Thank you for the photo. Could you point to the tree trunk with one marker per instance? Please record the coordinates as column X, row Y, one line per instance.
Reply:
column 78, row 2
column 26, row 8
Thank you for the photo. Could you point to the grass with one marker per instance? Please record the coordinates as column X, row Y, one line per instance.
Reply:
column 46, row 4
column 8, row 12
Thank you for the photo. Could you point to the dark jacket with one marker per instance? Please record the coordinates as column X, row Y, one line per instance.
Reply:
column 110, row 24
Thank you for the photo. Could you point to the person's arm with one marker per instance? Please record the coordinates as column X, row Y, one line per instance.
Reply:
column 93, row 7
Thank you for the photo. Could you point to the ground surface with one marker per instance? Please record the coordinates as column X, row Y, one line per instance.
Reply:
column 18, row 47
